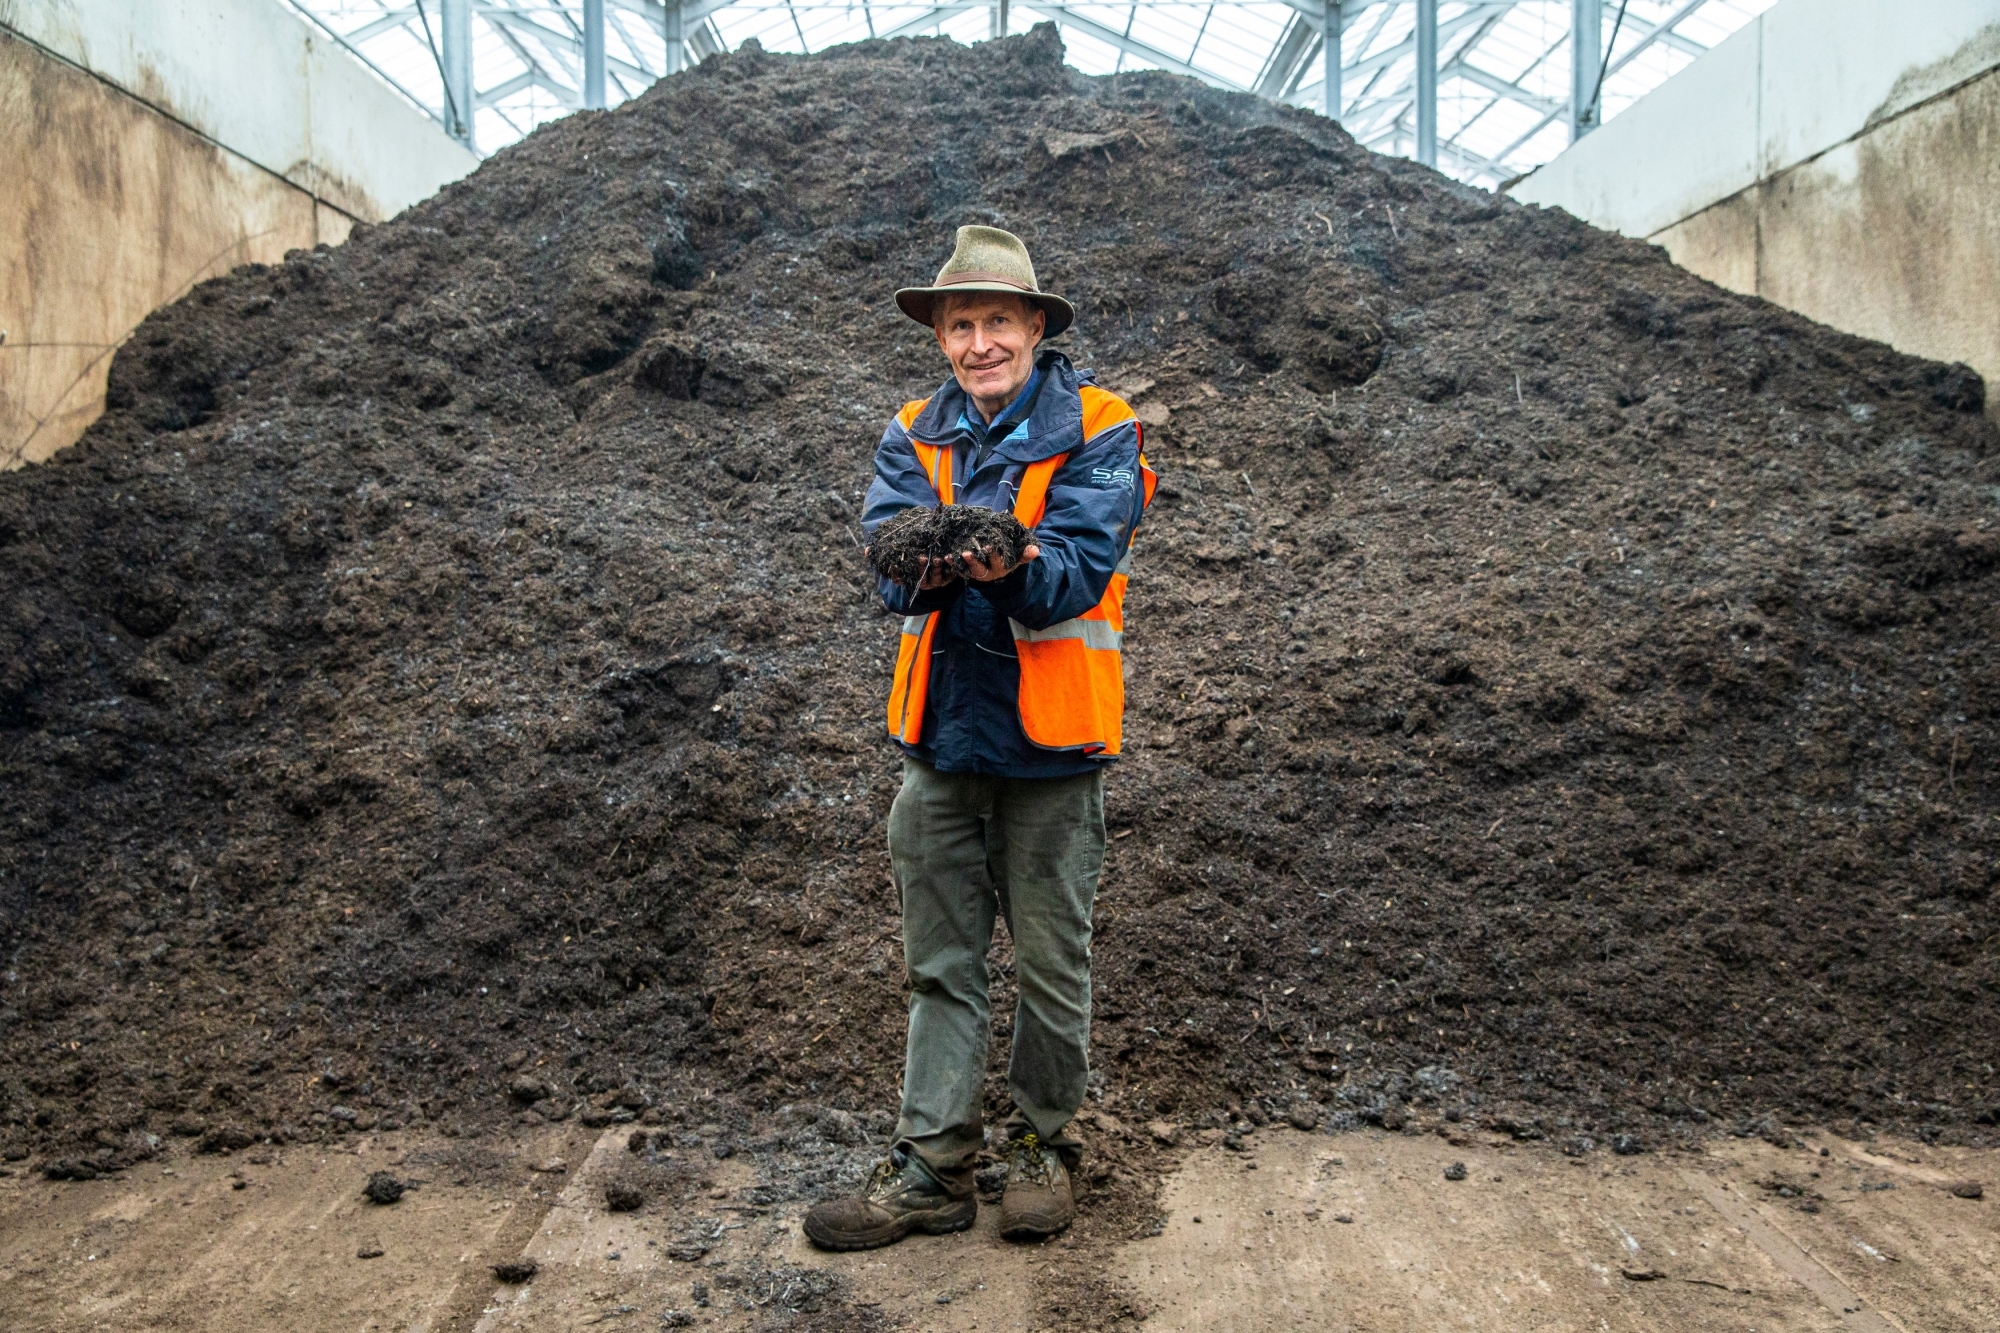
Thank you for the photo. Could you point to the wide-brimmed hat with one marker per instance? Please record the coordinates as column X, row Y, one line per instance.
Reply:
column 987, row 259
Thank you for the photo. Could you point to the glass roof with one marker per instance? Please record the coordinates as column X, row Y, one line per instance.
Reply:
column 1503, row 84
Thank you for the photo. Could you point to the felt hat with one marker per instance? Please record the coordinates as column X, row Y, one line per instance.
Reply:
column 987, row 259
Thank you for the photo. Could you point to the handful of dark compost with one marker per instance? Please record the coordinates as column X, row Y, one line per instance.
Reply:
column 923, row 539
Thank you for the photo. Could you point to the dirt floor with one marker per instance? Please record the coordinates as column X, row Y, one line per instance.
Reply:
column 443, row 694
column 271, row 1239
column 1370, row 1232
column 1355, row 1231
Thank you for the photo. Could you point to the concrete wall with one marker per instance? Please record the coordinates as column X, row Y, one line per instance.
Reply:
column 152, row 145
column 1840, row 157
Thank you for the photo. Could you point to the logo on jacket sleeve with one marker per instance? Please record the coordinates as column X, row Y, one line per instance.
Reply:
column 1111, row 476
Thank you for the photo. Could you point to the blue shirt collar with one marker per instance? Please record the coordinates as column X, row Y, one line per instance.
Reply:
column 970, row 413
column 1052, row 421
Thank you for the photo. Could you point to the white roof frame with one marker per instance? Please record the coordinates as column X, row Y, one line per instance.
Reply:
column 1504, row 86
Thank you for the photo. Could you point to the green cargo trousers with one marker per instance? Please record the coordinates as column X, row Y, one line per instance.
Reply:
column 961, row 847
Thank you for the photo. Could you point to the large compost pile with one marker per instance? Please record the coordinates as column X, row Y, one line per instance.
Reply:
column 446, row 685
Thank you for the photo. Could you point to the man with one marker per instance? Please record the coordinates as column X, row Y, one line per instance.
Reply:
column 1007, row 700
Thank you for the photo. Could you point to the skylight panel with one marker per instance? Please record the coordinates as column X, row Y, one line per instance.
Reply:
column 1503, row 89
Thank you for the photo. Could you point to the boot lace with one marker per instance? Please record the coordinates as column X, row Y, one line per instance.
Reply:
column 885, row 1181
column 1031, row 1160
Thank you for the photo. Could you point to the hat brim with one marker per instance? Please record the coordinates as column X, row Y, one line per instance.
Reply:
column 918, row 302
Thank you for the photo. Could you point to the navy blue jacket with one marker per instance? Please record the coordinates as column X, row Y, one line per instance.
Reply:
column 972, row 720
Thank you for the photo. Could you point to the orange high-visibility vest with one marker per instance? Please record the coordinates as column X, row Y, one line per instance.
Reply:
column 1072, row 693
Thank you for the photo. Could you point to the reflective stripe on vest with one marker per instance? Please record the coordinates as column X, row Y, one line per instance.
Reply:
column 1094, row 633
column 913, row 677
column 911, row 685
column 1072, row 691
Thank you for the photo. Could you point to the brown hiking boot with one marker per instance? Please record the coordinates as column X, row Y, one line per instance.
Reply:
column 900, row 1197
column 1038, row 1201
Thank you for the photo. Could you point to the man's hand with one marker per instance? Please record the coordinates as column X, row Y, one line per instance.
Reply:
column 979, row 567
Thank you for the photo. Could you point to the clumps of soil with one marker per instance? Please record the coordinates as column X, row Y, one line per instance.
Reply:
column 384, row 1188
column 115, row 1154
column 922, row 540
column 694, row 1240
column 225, row 1139
column 1562, row 694
column 623, row 1198
column 516, row 1271
column 71, row 1168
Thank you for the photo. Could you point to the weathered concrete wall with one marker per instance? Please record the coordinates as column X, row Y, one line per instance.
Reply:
column 1840, row 157
column 1893, row 235
column 108, row 210
column 149, row 146
column 252, row 75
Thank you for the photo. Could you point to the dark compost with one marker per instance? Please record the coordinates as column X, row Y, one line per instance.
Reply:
column 447, row 685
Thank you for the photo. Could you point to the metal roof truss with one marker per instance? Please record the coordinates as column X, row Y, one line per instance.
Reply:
column 1503, row 66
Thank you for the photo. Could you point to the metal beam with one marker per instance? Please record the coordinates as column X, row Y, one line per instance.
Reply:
column 1329, row 50
column 1369, row 119
column 1283, row 66
column 1655, row 33
column 1427, row 81
column 566, row 81
column 1458, row 61
column 616, row 18
column 1549, row 106
column 1368, row 85
column 1459, row 66
column 1382, row 140
column 1389, row 55
column 456, row 54
column 1307, row 64
column 504, row 18
column 689, row 15
column 1471, row 159
column 672, row 18
column 390, row 20
column 1680, row 43
column 707, row 41
column 593, row 54
column 1513, row 92
column 1663, row 31
column 506, row 22
column 924, row 22
column 1586, row 54
column 568, row 50
column 510, row 25
column 341, row 40
column 526, row 79
column 696, row 10
column 1314, row 10
column 1131, row 46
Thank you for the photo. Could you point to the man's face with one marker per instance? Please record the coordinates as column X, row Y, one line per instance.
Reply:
column 990, row 340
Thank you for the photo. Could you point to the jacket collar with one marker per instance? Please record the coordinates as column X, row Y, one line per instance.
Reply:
column 1054, row 427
